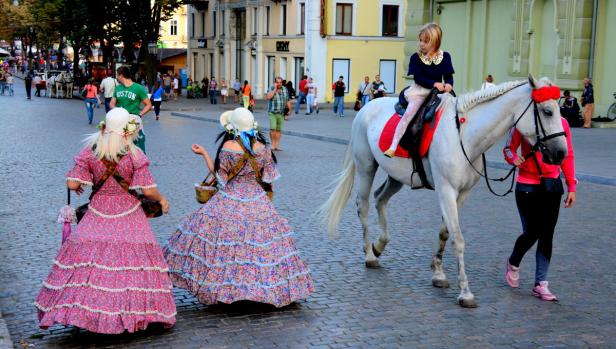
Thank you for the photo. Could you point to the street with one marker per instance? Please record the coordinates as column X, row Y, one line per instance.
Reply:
column 353, row 307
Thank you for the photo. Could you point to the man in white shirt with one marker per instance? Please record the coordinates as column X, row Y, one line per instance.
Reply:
column 108, row 86
column 37, row 83
column 176, row 85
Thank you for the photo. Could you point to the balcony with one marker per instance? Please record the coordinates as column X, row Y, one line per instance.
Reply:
column 199, row 5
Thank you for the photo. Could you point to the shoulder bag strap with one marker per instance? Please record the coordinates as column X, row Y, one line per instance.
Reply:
column 234, row 171
column 111, row 167
column 255, row 167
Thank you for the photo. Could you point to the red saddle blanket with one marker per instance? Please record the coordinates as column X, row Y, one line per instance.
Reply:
column 426, row 138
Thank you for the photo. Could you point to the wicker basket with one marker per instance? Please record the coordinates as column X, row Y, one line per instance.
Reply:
column 206, row 189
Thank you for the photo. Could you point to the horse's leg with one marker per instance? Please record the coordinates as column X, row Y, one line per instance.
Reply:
column 448, row 201
column 382, row 196
column 366, row 169
column 439, row 279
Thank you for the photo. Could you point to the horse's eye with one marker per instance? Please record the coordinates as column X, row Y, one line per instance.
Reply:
column 547, row 112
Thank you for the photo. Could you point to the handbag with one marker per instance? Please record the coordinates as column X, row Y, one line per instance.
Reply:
column 209, row 186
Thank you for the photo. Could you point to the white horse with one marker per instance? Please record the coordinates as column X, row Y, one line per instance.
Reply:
column 52, row 87
column 488, row 115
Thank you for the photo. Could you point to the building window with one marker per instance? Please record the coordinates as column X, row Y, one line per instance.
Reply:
column 192, row 25
column 214, row 22
column 203, row 24
column 267, row 20
column 302, row 18
column 390, row 20
column 254, row 21
column 344, row 19
column 284, row 19
column 173, row 27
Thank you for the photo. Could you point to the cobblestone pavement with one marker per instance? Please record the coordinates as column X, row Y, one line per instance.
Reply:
column 353, row 307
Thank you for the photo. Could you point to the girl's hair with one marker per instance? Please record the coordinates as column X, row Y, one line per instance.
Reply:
column 433, row 34
column 111, row 146
column 245, row 82
column 489, row 78
column 226, row 136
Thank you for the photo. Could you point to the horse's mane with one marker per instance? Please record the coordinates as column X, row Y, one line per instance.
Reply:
column 469, row 100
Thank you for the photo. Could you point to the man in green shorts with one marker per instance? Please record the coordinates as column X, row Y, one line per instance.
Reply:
column 130, row 96
column 278, row 97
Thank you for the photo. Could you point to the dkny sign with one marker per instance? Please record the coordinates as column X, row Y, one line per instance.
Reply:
column 282, row 46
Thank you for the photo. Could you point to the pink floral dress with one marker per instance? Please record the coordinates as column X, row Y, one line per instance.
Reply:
column 110, row 276
column 236, row 246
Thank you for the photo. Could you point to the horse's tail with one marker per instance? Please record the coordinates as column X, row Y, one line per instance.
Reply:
column 331, row 211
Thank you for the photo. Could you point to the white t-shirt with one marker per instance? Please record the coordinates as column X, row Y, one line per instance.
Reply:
column 486, row 85
column 108, row 86
column 37, row 80
column 175, row 83
column 312, row 88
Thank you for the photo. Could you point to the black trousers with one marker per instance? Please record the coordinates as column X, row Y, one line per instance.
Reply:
column 156, row 105
column 539, row 214
column 28, row 83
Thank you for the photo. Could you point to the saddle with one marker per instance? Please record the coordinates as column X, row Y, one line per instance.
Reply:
column 412, row 136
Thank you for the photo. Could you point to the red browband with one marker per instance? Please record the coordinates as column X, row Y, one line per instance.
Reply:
column 546, row 93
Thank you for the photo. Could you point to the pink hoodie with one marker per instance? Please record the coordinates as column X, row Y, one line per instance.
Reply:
column 528, row 173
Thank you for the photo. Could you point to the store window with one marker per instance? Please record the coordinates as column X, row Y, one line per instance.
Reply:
column 344, row 19
column 390, row 20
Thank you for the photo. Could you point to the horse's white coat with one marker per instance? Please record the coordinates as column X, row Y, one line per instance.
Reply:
column 489, row 115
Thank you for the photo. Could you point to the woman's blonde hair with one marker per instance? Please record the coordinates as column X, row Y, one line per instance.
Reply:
column 433, row 34
column 111, row 146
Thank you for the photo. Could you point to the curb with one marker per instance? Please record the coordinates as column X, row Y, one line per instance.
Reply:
column 5, row 337
column 582, row 177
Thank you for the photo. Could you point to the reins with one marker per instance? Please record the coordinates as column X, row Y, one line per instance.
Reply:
column 539, row 144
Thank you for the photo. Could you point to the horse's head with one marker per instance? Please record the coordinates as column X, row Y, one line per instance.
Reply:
column 542, row 125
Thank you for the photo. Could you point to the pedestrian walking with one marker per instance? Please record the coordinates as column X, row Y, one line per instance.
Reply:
column 236, row 247
column 205, row 85
column 108, row 86
column 2, row 80
column 176, row 87
column 365, row 90
column 246, row 93
column 213, row 91
column 28, row 83
column 224, row 91
column 130, row 96
column 489, row 82
column 339, row 89
column 237, row 86
column 278, row 97
column 110, row 275
column 9, row 83
column 167, row 86
column 157, row 98
column 378, row 87
column 90, row 100
column 38, row 84
column 311, row 97
column 302, row 93
column 588, row 102
column 431, row 68
column 538, row 194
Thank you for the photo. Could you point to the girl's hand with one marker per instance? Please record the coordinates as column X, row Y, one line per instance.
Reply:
column 448, row 88
column 165, row 205
column 519, row 160
column 570, row 199
column 197, row 149
column 439, row 86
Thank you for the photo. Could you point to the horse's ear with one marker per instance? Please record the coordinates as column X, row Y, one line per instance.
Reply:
column 531, row 81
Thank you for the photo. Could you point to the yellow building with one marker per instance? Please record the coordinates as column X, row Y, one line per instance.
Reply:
column 173, row 31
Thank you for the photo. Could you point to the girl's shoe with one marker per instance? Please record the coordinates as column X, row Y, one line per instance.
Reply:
column 542, row 291
column 389, row 153
column 512, row 275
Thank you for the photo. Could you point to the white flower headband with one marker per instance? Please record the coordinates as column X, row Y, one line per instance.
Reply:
column 129, row 129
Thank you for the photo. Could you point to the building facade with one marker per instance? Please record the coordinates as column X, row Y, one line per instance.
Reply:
column 258, row 40
column 173, row 31
column 564, row 40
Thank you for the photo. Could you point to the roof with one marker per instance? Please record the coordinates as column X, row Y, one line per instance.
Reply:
column 165, row 53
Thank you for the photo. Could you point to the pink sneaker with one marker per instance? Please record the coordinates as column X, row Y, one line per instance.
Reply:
column 512, row 275
column 542, row 291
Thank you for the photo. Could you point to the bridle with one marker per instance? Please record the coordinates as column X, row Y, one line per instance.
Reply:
column 540, row 135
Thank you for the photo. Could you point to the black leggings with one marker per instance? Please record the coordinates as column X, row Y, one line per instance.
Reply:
column 156, row 105
column 539, row 214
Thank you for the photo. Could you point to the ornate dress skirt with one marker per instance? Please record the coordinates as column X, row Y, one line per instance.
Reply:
column 236, row 246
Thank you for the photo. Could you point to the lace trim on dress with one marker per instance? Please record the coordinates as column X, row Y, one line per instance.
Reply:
column 436, row 60
column 104, row 267
column 254, row 198
column 101, row 288
column 143, row 186
column 233, row 243
column 228, row 283
column 121, row 312
column 202, row 260
column 73, row 179
column 110, row 216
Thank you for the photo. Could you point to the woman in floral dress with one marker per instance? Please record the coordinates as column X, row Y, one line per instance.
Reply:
column 236, row 246
column 110, row 275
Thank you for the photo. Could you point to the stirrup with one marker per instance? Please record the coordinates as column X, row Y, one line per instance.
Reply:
column 416, row 182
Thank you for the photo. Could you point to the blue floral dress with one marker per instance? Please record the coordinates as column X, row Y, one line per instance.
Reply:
column 236, row 246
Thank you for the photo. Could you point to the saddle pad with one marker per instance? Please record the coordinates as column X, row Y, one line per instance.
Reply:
column 426, row 137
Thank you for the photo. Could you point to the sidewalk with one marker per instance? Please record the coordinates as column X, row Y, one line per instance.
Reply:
column 595, row 149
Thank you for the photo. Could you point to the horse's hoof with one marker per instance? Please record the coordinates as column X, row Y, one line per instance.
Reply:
column 440, row 283
column 376, row 253
column 467, row 303
column 372, row 263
